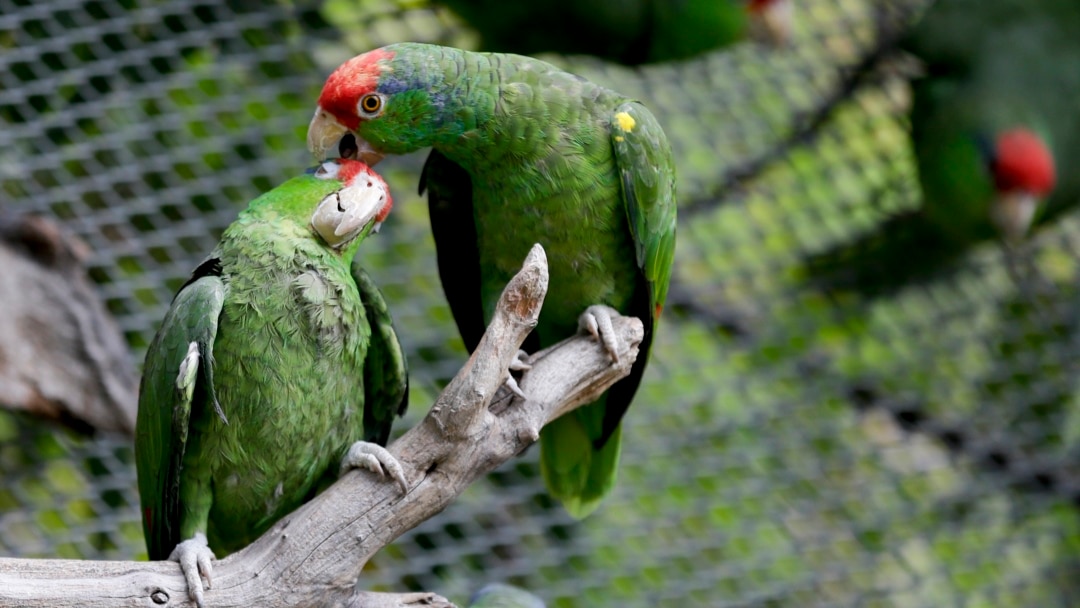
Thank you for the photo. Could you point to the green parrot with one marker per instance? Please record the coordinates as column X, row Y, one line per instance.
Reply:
column 272, row 359
column 496, row 595
column 988, row 127
column 525, row 153
column 630, row 32
column 995, row 132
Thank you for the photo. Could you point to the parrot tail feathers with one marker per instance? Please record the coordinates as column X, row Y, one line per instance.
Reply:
column 576, row 473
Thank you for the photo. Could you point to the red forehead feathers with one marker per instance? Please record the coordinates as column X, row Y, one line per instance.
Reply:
column 349, row 169
column 1023, row 162
column 353, row 169
column 353, row 79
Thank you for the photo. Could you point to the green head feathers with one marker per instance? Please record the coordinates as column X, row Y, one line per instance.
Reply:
column 340, row 201
column 400, row 98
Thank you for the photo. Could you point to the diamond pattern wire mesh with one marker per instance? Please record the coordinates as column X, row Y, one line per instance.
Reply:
column 788, row 447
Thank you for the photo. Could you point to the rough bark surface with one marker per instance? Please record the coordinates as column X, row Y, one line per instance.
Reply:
column 314, row 556
column 61, row 354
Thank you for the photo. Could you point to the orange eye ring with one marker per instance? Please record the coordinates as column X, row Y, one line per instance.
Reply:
column 370, row 103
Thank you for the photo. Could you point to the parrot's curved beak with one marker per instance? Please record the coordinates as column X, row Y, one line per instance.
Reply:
column 344, row 215
column 325, row 134
column 773, row 22
column 1012, row 214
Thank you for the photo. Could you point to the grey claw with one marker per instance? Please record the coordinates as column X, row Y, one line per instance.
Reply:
column 597, row 321
column 520, row 362
column 377, row 459
column 587, row 321
column 195, row 559
column 513, row 386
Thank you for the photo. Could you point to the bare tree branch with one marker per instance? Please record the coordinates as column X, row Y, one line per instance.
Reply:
column 314, row 556
column 61, row 354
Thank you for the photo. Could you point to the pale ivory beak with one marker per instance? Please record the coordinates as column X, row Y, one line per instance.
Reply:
column 775, row 23
column 324, row 138
column 343, row 215
column 1012, row 214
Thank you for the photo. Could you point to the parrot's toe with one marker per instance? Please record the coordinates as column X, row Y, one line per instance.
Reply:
column 196, row 562
column 597, row 321
column 520, row 362
column 377, row 459
column 513, row 386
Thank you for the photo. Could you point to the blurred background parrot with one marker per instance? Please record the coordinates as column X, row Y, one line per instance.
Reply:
column 497, row 595
column 523, row 153
column 274, row 357
column 995, row 133
column 629, row 32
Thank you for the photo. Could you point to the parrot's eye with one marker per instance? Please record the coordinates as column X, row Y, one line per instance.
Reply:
column 370, row 105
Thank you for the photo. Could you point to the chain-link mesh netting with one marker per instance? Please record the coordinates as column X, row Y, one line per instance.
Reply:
column 790, row 445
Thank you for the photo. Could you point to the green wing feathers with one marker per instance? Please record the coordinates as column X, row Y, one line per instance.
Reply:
column 580, row 452
column 177, row 378
column 647, row 176
column 386, row 373
column 647, row 171
column 575, row 471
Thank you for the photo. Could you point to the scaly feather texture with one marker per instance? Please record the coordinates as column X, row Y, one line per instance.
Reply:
column 526, row 153
column 254, row 386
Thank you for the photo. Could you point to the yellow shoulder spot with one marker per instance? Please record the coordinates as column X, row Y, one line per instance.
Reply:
column 619, row 138
column 626, row 122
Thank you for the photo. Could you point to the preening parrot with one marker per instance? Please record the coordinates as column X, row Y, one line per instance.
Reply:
column 630, row 32
column 525, row 153
column 995, row 132
column 275, row 356
column 497, row 595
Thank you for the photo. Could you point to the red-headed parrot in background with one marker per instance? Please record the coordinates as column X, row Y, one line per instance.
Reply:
column 995, row 132
column 994, row 121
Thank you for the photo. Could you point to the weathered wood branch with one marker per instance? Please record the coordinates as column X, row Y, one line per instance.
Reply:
column 62, row 356
column 314, row 557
